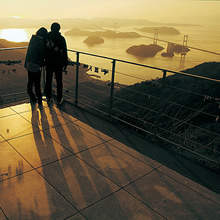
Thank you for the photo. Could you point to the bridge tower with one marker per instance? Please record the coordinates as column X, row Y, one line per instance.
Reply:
column 183, row 53
column 155, row 36
column 185, row 40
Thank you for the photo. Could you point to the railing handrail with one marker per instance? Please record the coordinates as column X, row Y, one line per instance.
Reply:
column 12, row 48
column 152, row 126
column 143, row 65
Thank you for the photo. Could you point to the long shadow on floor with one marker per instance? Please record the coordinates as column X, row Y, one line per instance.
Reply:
column 172, row 160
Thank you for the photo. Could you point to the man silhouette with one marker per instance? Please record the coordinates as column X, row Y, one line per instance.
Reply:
column 56, row 62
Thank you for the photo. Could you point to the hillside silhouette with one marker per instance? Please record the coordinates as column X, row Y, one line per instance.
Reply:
column 161, row 30
column 182, row 82
column 12, row 54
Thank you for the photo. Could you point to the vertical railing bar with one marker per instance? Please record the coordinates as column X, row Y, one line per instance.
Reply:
column 160, row 102
column 77, row 78
column 112, row 88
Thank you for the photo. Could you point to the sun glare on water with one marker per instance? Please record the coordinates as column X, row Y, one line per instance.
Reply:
column 15, row 35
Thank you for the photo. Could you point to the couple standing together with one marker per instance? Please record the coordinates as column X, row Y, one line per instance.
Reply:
column 50, row 50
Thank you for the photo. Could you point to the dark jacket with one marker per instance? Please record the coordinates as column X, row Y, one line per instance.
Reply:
column 36, row 51
column 56, row 49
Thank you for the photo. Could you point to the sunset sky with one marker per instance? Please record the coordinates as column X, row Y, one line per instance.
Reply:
column 156, row 10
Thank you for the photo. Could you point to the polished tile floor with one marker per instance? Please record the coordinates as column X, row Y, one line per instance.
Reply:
column 64, row 163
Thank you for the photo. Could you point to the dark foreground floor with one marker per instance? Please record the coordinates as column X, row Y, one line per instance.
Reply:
column 63, row 163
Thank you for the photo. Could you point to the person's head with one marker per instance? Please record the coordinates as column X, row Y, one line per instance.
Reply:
column 42, row 32
column 55, row 27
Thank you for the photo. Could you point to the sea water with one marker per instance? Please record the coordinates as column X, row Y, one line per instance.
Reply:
column 202, row 37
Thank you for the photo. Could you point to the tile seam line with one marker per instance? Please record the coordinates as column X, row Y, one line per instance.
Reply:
column 47, row 164
column 38, row 127
column 89, row 148
column 68, row 148
column 134, row 156
column 31, row 110
column 164, row 173
column 98, row 171
column 75, row 215
column 146, row 174
column 45, row 180
column 4, row 213
column 12, row 177
column 66, row 157
column 121, row 187
column 90, row 131
column 35, row 127
column 61, row 114
column 33, row 168
column 21, row 156
column 60, row 193
column 100, row 200
column 49, row 107
column 156, row 169
column 13, row 138
column 68, row 121
column 18, row 112
column 190, row 188
column 79, row 211
column 144, row 204
column 74, row 122
column 5, row 116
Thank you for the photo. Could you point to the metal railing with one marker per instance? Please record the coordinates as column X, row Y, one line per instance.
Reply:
column 169, row 113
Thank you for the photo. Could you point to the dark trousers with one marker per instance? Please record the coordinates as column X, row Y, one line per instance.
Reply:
column 58, row 70
column 34, row 81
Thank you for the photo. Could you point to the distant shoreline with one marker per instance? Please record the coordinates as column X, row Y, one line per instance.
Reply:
column 83, row 23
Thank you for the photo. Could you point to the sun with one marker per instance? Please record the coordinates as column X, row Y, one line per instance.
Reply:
column 15, row 17
column 15, row 35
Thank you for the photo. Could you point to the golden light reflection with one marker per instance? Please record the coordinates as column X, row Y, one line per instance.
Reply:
column 15, row 35
column 15, row 17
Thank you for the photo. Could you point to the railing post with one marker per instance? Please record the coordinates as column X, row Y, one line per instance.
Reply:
column 112, row 88
column 44, row 82
column 160, row 102
column 77, row 78
column 44, row 77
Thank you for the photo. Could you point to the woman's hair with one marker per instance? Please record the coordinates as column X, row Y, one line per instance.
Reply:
column 42, row 32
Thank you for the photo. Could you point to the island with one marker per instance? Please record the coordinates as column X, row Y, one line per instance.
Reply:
column 104, row 33
column 175, row 48
column 144, row 50
column 91, row 40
